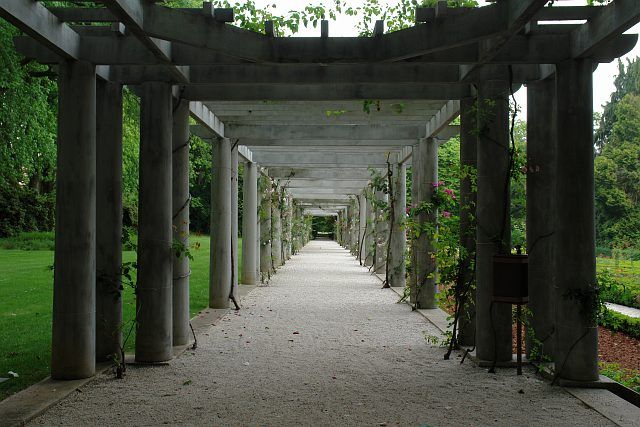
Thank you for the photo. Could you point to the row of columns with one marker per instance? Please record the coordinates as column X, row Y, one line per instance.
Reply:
column 87, row 302
column 560, row 220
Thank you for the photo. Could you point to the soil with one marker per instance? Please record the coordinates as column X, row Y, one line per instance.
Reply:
column 617, row 347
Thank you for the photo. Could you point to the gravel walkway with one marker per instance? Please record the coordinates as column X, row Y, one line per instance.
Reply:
column 321, row 345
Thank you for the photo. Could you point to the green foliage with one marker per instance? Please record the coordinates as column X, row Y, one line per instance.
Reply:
column 26, row 284
column 618, row 322
column 25, row 209
column 323, row 225
column 627, row 377
column 617, row 178
column 612, row 290
column 30, row 241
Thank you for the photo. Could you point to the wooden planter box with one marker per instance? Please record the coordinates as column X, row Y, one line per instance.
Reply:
column 510, row 279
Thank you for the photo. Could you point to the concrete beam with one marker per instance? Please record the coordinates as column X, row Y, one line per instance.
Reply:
column 324, row 73
column 322, row 160
column 314, row 92
column 34, row 19
column 389, row 144
column 615, row 18
column 324, row 132
column 441, row 120
column 320, row 173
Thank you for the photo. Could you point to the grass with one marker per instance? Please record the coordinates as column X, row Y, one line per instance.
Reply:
column 626, row 272
column 26, row 293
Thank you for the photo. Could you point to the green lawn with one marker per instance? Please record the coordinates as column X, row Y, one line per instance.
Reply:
column 625, row 271
column 26, row 285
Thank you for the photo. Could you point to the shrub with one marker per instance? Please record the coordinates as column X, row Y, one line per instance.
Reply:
column 24, row 209
column 31, row 241
column 611, row 290
column 618, row 322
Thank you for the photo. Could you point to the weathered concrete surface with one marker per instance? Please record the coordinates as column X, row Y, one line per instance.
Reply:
column 180, row 201
column 493, row 321
column 108, row 219
column 73, row 340
column 220, row 273
column 468, row 193
column 425, row 245
column 154, row 339
column 322, row 345
column 265, row 236
column 576, row 346
column 397, row 273
column 250, row 254
column 541, row 177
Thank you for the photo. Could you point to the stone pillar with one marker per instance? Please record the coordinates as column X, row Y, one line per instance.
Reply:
column 493, row 219
column 250, row 264
column 339, row 229
column 355, row 227
column 108, row 220
column 468, row 172
column 154, row 336
column 180, row 202
column 362, row 228
column 349, row 224
column 541, row 186
column 265, row 234
column 220, row 280
column 398, row 239
column 369, row 238
column 73, row 347
column 234, row 219
column 382, row 234
column 424, row 248
column 289, row 228
column 576, row 346
column 276, row 230
column 416, row 170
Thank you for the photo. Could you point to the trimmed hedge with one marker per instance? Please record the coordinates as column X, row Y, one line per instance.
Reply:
column 618, row 322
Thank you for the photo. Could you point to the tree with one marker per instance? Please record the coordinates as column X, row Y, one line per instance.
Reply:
column 617, row 177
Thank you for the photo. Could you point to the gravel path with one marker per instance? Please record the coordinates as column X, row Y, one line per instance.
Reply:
column 321, row 345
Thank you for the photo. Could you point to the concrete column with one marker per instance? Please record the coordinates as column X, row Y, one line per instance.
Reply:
column 493, row 219
column 180, row 202
column 234, row 219
column 154, row 336
column 382, row 234
column 398, row 239
column 289, row 228
column 73, row 347
column 425, row 251
column 250, row 225
column 339, row 229
column 265, row 234
column 362, row 225
column 276, row 230
column 416, row 171
column 468, row 193
column 576, row 351
column 220, row 280
column 541, row 186
column 108, row 220
column 369, row 238
column 353, row 235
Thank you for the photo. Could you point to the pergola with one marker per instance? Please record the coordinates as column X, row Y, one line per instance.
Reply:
column 292, row 108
